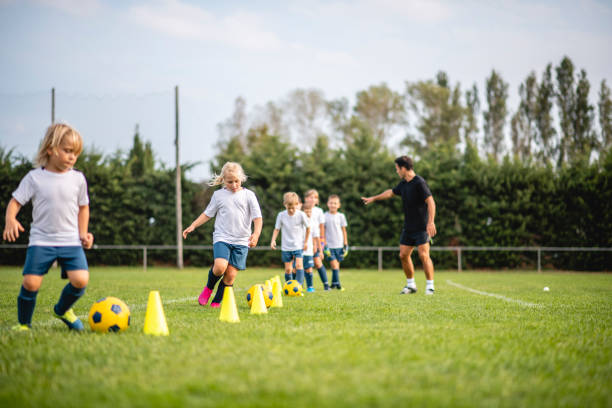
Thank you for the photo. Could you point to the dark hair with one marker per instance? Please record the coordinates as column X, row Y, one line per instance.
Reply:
column 405, row 162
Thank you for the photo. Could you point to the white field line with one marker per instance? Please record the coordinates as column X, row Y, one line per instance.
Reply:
column 495, row 295
column 140, row 306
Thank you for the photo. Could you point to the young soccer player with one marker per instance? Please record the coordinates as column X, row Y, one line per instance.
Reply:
column 311, row 243
column 336, row 238
column 311, row 198
column 59, row 230
column 295, row 229
column 234, row 208
column 419, row 213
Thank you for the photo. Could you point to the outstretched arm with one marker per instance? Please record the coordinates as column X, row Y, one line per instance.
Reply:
column 273, row 240
column 385, row 195
column 12, row 227
column 195, row 224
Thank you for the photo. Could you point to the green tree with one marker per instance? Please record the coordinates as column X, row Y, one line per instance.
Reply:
column 523, row 122
column 605, row 117
column 495, row 116
column 584, row 139
column 566, row 102
column 472, row 106
column 546, row 133
column 439, row 112
column 380, row 108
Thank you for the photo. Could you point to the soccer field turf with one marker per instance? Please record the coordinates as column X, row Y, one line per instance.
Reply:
column 484, row 339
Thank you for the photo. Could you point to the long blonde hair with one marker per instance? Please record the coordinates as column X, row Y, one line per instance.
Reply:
column 54, row 137
column 228, row 168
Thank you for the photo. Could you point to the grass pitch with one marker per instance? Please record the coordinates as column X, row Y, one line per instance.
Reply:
column 484, row 339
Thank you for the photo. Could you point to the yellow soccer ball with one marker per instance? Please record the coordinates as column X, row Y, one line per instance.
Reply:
column 267, row 295
column 109, row 314
column 292, row 288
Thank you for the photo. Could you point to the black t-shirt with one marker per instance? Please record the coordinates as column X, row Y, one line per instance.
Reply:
column 414, row 193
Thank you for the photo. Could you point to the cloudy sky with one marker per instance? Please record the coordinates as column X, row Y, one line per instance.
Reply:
column 115, row 63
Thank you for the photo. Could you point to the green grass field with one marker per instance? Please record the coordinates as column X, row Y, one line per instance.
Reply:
column 510, row 344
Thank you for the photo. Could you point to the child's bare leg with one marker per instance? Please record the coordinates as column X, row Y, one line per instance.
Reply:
column 299, row 268
column 288, row 271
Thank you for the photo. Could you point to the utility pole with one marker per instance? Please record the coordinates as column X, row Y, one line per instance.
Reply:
column 179, row 208
column 52, row 105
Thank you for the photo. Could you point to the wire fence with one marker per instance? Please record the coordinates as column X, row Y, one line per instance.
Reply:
column 457, row 250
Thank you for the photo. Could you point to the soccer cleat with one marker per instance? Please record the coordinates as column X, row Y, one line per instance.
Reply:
column 340, row 288
column 204, row 296
column 310, row 289
column 20, row 327
column 408, row 290
column 327, row 288
column 215, row 304
column 429, row 291
column 71, row 320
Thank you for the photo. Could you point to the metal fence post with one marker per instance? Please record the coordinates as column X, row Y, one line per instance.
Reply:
column 458, row 259
column 380, row 265
column 539, row 260
column 144, row 258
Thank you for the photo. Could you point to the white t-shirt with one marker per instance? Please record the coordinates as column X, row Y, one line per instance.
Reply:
column 314, row 233
column 333, row 229
column 293, row 229
column 319, row 218
column 234, row 213
column 56, row 198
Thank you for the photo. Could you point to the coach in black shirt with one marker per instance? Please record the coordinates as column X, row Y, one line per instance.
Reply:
column 419, row 213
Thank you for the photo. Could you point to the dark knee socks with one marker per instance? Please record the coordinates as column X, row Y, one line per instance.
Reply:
column 220, row 289
column 69, row 296
column 26, row 301
column 212, row 279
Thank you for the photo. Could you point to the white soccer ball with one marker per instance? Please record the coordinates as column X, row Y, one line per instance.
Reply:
column 546, row 289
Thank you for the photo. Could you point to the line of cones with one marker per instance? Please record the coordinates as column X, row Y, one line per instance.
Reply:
column 155, row 319
column 229, row 310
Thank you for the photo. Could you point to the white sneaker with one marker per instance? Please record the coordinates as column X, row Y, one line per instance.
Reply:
column 408, row 290
column 429, row 291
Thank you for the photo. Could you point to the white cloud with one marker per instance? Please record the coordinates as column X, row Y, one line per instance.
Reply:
column 74, row 7
column 244, row 30
column 382, row 10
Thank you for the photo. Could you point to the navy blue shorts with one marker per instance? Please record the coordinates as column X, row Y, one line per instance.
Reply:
column 414, row 238
column 40, row 258
column 236, row 255
column 288, row 256
column 337, row 254
column 308, row 261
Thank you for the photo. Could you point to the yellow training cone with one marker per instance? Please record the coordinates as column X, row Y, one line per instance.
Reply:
column 229, row 311
column 258, row 306
column 155, row 321
column 277, row 279
column 277, row 299
column 268, row 285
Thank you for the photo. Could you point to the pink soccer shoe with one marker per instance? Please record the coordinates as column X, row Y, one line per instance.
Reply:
column 204, row 296
column 213, row 304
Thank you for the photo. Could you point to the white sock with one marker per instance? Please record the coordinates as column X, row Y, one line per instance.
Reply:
column 429, row 284
column 410, row 283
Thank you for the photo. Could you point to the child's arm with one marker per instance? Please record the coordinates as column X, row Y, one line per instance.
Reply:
column 385, row 195
column 322, row 237
column 195, row 224
column 257, row 224
column 12, row 227
column 87, row 238
column 273, row 241
column 306, row 238
column 345, row 238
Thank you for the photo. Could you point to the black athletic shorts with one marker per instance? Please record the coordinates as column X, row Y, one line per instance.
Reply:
column 414, row 238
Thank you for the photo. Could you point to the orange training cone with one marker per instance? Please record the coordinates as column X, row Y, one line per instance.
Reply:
column 258, row 306
column 229, row 311
column 277, row 297
column 155, row 321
